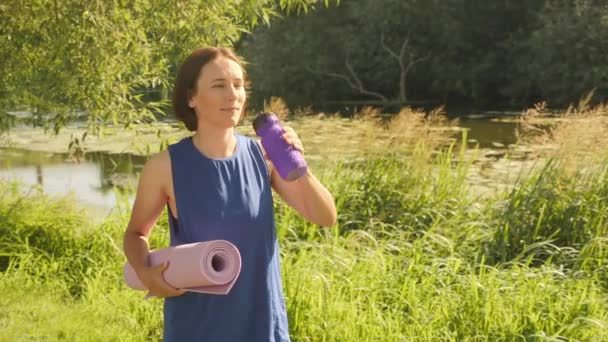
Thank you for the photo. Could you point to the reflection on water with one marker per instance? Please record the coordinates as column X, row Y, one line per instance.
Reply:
column 94, row 179
column 82, row 179
column 487, row 133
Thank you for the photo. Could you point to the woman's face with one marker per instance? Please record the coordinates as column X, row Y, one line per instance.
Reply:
column 220, row 93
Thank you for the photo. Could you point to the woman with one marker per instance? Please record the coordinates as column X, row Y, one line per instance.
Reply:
column 217, row 185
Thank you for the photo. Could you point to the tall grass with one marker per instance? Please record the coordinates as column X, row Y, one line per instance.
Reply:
column 414, row 256
column 365, row 290
column 549, row 216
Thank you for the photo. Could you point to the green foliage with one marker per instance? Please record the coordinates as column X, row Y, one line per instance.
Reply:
column 564, row 57
column 111, row 62
column 404, row 195
column 488, row 53
column 413, row 256
column 399, row 286
column 26, row 226
column 549, row 217
column 401, row 291
column 39, row 230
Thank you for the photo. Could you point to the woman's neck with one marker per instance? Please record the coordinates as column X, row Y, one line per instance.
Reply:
column 215, row 143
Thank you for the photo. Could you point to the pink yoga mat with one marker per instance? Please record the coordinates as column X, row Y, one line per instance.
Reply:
column 206, row 267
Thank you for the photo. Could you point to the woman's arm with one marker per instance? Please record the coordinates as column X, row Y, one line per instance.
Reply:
column 306, row 194
column 308, row 197
column 150, row 199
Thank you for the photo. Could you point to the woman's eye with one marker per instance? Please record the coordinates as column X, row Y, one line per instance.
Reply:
column 237, row 86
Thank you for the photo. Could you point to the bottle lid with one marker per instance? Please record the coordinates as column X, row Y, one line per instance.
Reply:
column 262, row 119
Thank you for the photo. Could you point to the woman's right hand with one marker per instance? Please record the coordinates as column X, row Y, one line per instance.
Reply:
column 152, row 278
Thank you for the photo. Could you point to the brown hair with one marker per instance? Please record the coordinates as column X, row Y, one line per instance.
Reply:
column 189, row 72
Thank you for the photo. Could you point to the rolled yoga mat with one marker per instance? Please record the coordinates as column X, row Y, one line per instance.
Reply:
column 206, row 267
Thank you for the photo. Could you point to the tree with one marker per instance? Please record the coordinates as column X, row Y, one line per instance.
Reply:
column 110, row 61
column 475, row 53
column 363, row 50
column 566, row 56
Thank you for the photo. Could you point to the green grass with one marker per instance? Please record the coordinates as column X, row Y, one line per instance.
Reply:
column 414, row 257
column 366, row 290
column 552, row 216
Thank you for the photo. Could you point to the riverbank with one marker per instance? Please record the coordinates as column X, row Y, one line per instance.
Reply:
column 112, row 162
column 324, row 137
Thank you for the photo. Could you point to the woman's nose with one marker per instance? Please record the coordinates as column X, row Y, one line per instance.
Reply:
column 232, row 91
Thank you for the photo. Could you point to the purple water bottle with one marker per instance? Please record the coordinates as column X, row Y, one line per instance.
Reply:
column 287, row 159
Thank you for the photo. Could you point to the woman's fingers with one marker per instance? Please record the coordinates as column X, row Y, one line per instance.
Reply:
column 158, row 286
column 292, row 138
column 167, row 290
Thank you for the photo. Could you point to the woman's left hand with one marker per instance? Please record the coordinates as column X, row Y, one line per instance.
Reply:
column 292, row 138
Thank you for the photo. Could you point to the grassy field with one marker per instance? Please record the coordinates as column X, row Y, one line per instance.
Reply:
column 416, row 255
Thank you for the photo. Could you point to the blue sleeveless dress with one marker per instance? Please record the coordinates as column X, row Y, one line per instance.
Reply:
column 228, row 199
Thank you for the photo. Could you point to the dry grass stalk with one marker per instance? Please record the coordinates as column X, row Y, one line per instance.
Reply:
column 413, row 126
column 404, row 131
column 579, row 136
column 278, row 106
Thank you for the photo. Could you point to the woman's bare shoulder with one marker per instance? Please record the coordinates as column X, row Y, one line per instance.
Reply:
column 159, row 161
column 158, row 168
